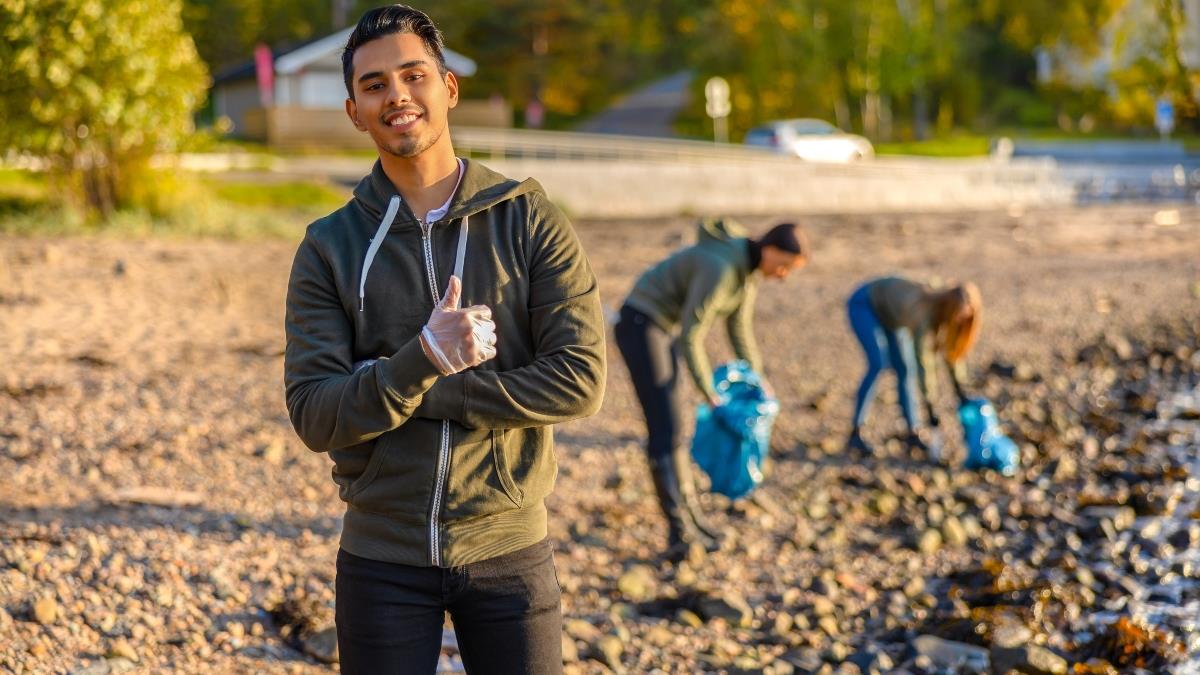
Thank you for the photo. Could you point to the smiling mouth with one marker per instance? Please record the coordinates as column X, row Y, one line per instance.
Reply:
column 401, row 119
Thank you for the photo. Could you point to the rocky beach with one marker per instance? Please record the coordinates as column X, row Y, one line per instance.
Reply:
column 158, row 514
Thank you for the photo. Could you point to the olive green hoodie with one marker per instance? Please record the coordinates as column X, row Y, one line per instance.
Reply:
column 699, row 284
column 441, row 471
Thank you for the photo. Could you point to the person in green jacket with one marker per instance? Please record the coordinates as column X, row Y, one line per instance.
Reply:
column 437, row 326
column 714, row 280
column 902, row 325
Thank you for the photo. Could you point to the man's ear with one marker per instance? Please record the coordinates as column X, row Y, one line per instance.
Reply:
column 452, row 86
column 352, row 113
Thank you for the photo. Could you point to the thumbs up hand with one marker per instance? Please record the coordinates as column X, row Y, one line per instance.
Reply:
column 457, row 339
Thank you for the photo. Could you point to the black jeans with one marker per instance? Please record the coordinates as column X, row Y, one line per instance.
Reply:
column 651, row 356
column 506, row 613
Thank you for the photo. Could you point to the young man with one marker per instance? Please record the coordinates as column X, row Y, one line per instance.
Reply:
column 437, row 325
column 717, row 278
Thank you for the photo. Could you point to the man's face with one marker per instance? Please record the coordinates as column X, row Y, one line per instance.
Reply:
column 400, row 98
column 778, row 264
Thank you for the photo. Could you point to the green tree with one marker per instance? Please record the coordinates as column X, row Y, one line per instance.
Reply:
column 96, row 89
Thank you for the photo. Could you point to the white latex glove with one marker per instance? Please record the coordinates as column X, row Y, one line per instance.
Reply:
column 457, row 339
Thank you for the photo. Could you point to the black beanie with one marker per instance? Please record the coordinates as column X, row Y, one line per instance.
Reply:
column 786, row 237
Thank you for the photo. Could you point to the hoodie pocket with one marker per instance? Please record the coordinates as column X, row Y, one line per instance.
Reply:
column 351, row 465
column 480, row 483
column 369, row 473
column 503, row 470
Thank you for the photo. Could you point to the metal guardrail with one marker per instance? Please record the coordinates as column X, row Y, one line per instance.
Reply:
column 524, row 144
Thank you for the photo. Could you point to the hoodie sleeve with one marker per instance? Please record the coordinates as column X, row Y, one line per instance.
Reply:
column 331, row 406
column 710, row 285
column 566, row 379
column 740, row 325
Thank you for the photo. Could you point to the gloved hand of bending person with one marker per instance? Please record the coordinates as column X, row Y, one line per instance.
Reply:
column 457, row 339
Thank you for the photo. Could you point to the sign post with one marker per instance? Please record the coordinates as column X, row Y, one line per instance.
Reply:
column 716, row 104
column 1164, row 117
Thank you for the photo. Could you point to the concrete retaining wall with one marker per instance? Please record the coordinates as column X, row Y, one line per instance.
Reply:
column 639, row 189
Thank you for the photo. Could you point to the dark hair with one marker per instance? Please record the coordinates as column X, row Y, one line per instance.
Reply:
column 787, row 237
column 389, row 20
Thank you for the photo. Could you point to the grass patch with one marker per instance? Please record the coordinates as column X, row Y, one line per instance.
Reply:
column 300, row 195
column 950, row 146
column 195, row 207
column 21, row 191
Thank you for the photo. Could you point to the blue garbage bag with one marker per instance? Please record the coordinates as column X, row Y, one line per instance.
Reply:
column 987, row 446
column 731, row 440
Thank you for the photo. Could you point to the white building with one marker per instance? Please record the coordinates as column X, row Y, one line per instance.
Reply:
column 309, row 93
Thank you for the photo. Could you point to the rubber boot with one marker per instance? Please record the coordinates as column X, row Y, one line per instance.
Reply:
column 710, row 536
column 681, row 529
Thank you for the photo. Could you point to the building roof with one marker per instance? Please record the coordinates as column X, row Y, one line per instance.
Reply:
column 294, row 59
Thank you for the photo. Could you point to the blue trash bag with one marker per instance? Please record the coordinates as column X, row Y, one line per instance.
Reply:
column 987, row 446
column 731, row 440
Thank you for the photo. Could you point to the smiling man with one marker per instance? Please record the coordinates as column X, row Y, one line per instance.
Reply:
column 437, row 325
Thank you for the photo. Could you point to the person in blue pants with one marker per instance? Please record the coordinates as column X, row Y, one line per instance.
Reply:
column 903, row 325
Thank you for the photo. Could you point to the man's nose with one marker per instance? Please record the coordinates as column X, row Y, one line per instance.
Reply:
column 398, row 94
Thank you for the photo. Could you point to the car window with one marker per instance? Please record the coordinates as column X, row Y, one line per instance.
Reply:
column 813, row 128
column 760, row 136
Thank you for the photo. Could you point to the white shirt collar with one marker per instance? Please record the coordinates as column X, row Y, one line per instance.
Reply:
column 440, row 211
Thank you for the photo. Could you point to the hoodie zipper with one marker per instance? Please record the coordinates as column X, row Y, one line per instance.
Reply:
column 439, row 485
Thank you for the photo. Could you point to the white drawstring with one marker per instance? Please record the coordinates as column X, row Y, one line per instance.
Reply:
column 376, row 242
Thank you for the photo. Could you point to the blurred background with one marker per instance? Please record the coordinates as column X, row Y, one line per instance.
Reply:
column 159, row 162
column 98, row 93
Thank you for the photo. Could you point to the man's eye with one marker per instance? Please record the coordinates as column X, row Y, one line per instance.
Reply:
column 415, row 77
column 373, row 87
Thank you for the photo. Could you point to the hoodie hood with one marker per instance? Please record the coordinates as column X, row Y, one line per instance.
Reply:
column 480, row 189
column 719, row 231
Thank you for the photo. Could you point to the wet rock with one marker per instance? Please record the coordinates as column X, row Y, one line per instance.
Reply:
column 1030, row 659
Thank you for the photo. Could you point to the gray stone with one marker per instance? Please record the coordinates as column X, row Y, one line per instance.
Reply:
column 949, row 654
column 322, row 645
column 1030, row 659
column 730, row 607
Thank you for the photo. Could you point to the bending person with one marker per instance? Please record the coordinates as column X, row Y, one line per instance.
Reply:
column 717, row 278
column 901, row 325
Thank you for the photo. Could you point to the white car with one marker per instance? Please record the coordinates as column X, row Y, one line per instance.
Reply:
column 810, row 139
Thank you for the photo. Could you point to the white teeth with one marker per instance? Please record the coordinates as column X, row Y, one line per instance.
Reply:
column 402, row 119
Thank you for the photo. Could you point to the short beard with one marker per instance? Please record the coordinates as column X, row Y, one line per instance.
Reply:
column 411, row 147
